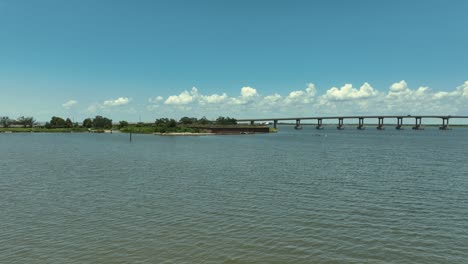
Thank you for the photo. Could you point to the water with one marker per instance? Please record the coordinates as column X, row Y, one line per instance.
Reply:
column 294, row 197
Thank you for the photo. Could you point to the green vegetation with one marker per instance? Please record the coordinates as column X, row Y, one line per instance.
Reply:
column 26, row 121
column 5, row 121
column 137, row 130
column 184, row 125
column 22, row 121
column 99, row 124
column 225, row 121
column 123, row 124
column 162, row 125
column 56, row 124
column 43, row 129
column 88, row 123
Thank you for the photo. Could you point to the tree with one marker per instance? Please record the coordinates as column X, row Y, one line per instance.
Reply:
column 123, row 124
column 102, row 122
column 68, row 123
column 30, row 121
column 188, row 120
column 226, row 121
column 5, row 121
column 55, row 122
column 161, row 121
column 88, row 123
column 165, row 122
column 26, row 121
column 21, row 121
column 172, row 123
column 203, row 121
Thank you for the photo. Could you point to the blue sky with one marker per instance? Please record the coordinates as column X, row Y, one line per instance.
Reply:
column 126, row 59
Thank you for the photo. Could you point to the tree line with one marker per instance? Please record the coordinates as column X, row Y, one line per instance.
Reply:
column 165, row 125
column 101, row 122
column 184, row 121
column 23, row 121
column 204, row 121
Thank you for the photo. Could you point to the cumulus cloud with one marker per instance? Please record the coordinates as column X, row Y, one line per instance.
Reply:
column 347, row 92
column 183, row 98
column 116, row 102
column 400, row 87
column 213, row 99
column 69, row 104
column 463, row 89
column 156, row 99
column 248, row 95
column 460, row 91
column 271, row 99
column 295, row 96
column 247, row 92
column 397, row 98
column 311, row 90
column 301, row 96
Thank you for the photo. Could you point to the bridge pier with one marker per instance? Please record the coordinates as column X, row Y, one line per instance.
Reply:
column 252, row 122
column 399, row 123
column 380, row 126
column 298, row 124
column 361, row 124
column 445, row 122
column 417, row 125
column 319, row 124
column 275, row 124
column 340, row 124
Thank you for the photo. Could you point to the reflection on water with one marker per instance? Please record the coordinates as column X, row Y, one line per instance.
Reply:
column 304, row 196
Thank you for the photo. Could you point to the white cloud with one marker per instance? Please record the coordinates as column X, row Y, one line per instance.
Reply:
column 183, row 98
column 295, row 96
column 271, row 99
column 399, row 98
column 460, row 91
column 399, row 87
column 69, row 104
column 248, row 95
column 301, row 96
column 463, row 89
column 347, row 92
column 116, row 102
column 401, row 91
column 311, row 90
column 156, row 99
column 248, row 92
column 213, row 99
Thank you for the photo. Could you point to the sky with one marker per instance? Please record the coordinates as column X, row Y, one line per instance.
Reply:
column 142, row 60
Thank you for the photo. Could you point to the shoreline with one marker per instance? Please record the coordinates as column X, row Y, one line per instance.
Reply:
column 184, row 134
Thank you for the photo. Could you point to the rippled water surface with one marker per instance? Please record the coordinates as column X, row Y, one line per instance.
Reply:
column 293, row 197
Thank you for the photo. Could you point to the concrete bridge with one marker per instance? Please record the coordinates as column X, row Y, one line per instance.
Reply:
column 399, row 118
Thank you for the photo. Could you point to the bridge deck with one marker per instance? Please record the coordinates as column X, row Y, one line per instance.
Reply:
column 349, row 117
